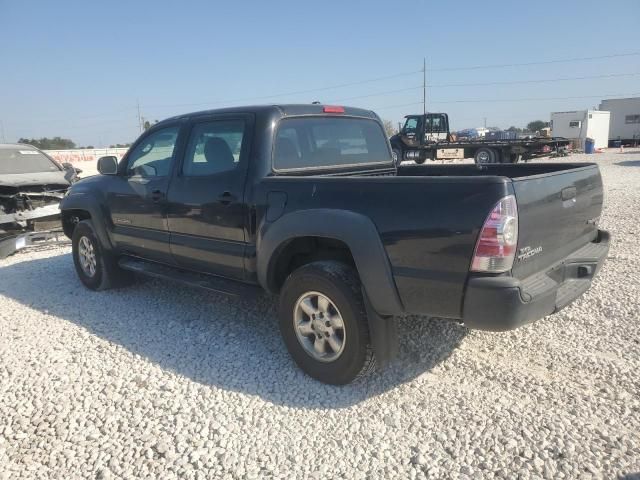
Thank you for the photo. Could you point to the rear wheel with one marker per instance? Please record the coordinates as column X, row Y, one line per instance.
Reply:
column 96, row 269
column 486, row 155
column 324, row 323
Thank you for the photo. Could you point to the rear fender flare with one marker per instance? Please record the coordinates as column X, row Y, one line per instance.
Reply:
column 355, row 230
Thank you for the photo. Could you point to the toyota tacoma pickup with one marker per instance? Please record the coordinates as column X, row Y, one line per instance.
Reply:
column 305, row 201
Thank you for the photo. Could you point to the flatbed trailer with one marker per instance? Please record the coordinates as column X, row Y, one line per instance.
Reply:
column 427, row 137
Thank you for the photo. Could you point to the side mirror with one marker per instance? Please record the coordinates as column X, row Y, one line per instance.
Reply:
column 108, row 165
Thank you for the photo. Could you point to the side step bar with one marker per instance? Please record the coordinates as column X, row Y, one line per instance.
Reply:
column 193, row 279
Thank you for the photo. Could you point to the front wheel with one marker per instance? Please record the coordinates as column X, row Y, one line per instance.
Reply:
column 324, row 323
column 96, row 269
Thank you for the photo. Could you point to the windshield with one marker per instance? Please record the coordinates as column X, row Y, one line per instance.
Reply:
column 24, row 160
column 321, row 142
column 411, row 125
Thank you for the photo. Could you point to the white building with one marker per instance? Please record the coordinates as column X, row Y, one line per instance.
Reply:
column 625, row 118
column 580, row 124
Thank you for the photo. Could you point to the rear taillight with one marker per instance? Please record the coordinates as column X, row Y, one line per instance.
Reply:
column 496, row 246
column 333, row 109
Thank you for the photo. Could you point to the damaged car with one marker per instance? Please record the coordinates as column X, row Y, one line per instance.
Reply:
column 32, row 184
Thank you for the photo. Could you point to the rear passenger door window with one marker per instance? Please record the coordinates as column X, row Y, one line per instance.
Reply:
column 214, row 147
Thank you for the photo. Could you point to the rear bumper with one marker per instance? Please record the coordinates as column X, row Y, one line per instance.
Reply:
column 505, row 303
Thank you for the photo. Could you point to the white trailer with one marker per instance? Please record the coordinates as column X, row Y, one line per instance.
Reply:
column 578, row 125
column 625, row 119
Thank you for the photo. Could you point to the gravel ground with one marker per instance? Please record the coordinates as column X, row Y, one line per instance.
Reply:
column 160, row 381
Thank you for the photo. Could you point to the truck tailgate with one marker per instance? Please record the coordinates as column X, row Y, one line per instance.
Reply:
column 558, row 214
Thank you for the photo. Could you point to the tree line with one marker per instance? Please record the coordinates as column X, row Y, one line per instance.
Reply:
column 59, row 143
column 45, row 143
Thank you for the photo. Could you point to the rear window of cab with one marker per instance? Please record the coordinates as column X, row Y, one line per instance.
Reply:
column 327, row 142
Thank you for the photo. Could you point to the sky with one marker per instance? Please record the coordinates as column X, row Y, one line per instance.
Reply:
column 79, row 69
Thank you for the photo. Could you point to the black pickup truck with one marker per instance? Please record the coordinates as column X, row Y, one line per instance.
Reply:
column 305, row 201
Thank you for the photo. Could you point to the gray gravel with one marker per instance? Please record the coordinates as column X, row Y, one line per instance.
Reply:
column 160, row 381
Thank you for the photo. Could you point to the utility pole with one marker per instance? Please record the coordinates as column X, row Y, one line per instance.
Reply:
column 485, row 122
column 4, row 140
column 139, row 117
column 424, row 85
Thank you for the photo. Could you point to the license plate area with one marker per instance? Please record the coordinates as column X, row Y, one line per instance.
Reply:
column 450, row 153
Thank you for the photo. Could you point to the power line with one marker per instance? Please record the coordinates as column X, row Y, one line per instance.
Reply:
column 526, row 64
column 513, row 82
column 402, row 74
column 542, row 80
column 532, row 99
column 298, row 92
column 333, row 87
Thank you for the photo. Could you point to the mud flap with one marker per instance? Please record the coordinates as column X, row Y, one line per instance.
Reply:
column 383, row 332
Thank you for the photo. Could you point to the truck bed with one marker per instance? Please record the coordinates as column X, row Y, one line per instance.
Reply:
column 502, row 170
column 558, row 203
column 429, row 218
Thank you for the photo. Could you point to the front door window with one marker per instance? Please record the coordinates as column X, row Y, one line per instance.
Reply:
column 152, row 156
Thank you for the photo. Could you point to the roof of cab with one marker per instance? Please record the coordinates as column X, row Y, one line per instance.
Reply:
column 293, row 109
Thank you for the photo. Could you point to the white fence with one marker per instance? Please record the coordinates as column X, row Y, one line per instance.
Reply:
column 85, row 158
column 80, row 155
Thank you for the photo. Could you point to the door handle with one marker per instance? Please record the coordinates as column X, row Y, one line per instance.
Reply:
column 156, row 195
column 226, row 198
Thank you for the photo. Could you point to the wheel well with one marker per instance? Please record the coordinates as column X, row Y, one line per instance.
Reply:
column 303, row 250
column 70, row 219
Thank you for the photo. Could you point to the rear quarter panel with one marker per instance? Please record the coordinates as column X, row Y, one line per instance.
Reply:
column 428, row 226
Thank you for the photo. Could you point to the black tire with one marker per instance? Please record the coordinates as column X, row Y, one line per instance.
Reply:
column 397, row 153
column 486, row 155
column 341, row 285
column 106, row 273
column 420, row 160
